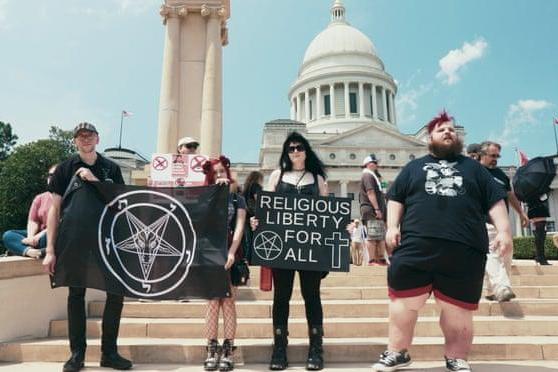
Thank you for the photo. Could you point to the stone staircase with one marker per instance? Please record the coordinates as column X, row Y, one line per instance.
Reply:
column 355, row 310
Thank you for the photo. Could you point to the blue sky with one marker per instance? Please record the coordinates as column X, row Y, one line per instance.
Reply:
column 493, row 64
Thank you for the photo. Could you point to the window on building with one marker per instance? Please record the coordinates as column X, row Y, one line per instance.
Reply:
column 353, row 103
column 412, row 157
column 332, row 194
column 310, row 108
column 351, row 195
column 371, row 106
column 391, row 156
column 327, row 105
column 550, row 226
column 332, row 156
column 352, row 156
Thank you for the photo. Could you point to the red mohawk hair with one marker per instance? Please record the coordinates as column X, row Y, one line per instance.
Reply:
column 442, row 117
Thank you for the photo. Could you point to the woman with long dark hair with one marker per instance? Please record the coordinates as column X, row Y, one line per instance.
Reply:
column 251, row 189
column 217, row 171
column 300, row 172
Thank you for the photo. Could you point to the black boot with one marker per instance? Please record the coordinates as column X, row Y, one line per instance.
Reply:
column 212, row 361
column 227, row 363
column 115, row 361
column 315, row 361
column 540, row 236
column 75, row 363
column 279, row 356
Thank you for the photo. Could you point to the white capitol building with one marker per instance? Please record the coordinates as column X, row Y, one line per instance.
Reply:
column 343, row 101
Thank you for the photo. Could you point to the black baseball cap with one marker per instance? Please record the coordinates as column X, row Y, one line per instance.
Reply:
column 473, row 148
column 84, row 126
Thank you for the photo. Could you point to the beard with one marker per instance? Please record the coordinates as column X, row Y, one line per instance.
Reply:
column 443, row 151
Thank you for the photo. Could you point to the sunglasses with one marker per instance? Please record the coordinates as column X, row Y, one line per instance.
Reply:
column 50, row 174
column 494, row 156
column 191, row 146
column 297, row 148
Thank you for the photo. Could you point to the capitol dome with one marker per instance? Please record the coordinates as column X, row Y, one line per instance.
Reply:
column 339, row 38
column 342, row 83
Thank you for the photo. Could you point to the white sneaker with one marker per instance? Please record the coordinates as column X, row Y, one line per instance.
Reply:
column 458, row 365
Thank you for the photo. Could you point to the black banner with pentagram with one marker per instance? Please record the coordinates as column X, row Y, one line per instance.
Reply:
column 163, row 243
column 302, row 232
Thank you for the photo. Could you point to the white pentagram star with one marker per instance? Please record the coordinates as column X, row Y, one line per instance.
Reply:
column 270, row 243
column 147, row 241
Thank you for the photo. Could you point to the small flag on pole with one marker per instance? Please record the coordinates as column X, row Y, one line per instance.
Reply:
column 523, row 159
column 555, row 121
column 127, row 113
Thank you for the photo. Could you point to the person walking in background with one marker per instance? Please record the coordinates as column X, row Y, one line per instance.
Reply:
column 217, row 171
column 358, row 237
column 537, row 211
column 33, row 241
column 373, row 210
column 498, row 268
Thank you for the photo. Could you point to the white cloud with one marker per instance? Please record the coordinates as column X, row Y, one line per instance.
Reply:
column 456, row 59
column 137, row 6
column 522, row 116
column 407, row 104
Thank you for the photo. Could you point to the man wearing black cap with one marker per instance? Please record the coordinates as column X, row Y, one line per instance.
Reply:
column 473, row 151
column 89, row 166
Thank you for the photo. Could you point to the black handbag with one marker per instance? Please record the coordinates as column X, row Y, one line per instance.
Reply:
column 240, row 273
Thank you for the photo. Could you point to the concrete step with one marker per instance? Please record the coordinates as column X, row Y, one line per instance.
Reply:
column 417, row 366
column 519, row 267
column 381, row 280
column 332, row 308
column 333, row 327
column 362, row 292
column 337, row 350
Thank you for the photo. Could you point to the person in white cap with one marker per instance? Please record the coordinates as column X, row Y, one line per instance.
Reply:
column 373, row 210
column 187, row 146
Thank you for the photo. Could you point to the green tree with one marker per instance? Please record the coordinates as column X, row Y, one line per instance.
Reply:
column 23, row 175
column 8, row 140
column 64, row 137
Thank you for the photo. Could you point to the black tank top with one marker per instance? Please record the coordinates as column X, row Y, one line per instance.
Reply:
column 289, row 188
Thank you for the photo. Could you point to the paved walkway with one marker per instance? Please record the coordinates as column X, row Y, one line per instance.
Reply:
column 478, row 366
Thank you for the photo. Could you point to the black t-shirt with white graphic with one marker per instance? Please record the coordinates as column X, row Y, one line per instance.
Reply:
column 446, row 199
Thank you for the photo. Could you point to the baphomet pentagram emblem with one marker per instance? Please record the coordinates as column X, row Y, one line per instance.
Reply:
column 147, row 242
column 268, row 245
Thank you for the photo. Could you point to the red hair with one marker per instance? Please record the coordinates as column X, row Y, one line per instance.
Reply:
column 442, row 117
column 209, row 171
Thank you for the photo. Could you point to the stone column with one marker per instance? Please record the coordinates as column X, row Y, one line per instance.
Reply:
column 318, row 103
column 298, row 111
column 293, row 112
column 393, row 120
column 374, row 104
column 307, row 106
column 347, row 106
column 167, row 135
column 332, row 100
column 384, row 102
column 212, row 97
column 344, row 185
column 361, row 99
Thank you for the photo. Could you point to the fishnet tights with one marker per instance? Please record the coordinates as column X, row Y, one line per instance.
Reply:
column 229, row 316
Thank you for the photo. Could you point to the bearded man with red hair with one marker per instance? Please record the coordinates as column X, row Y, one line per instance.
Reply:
column 436, row 232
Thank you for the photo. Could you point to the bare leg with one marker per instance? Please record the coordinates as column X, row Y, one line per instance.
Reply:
column 457, row 326
column 403, row 313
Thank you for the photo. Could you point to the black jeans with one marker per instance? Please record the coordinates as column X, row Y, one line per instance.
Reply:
column 77, row 321
column 310, row 287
